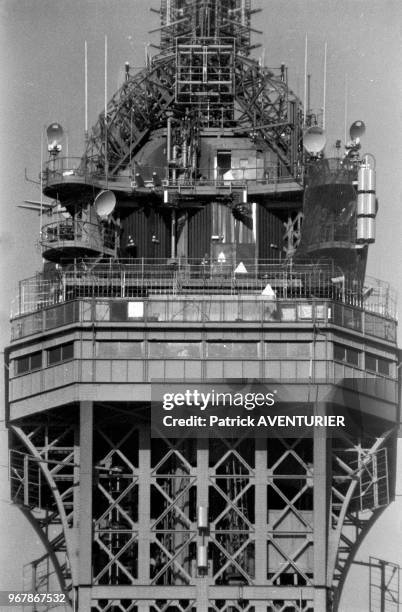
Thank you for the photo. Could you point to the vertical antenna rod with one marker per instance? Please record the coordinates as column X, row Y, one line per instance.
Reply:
column 305, row 82
column 41, row 183
column 106, row 160
column 86, row 91
column 325, row 87
column 345, row 108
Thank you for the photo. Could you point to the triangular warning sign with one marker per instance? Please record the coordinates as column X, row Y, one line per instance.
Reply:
column 241, row 269
column 269, row 293
column 221, row 257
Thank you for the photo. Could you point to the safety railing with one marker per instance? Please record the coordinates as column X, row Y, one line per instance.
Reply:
column 77, row 233
column 244, row 310
column 91, row 170
column 130, row 278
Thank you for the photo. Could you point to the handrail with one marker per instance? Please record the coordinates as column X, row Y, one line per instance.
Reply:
column 129, row 277
column 78, row 232
column 139, row 176
column 201, row 310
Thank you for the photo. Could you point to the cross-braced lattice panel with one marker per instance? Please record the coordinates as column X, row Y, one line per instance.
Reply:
column 290, row 511
column 264, row 100
column 54, row 443
column 279, row 605
column 137, row 107
column 43, row 463
column 232, row 510
column 384, row 586
column 176, row 605
column 360, row 487
column 219, row 605
column 25, row 479
column 173, row 510
column 115, row 507
column 370, row 469
column 115, row 605
column 205, row 74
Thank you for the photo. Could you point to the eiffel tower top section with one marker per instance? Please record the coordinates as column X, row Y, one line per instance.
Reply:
column 193, row 20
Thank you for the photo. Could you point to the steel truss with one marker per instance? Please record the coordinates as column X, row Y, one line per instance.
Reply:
column 261, row 495
column 43, row 472
column 203, row 18
column 206, row 79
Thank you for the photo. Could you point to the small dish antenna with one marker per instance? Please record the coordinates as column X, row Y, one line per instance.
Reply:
column 105, row 203
column 54, row 135
column 314, row 140
column 357, row 129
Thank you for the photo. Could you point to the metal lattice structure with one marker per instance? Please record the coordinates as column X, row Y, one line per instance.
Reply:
column 384, row 585
column 146, row 493
column 205, row 77
column 193, row 271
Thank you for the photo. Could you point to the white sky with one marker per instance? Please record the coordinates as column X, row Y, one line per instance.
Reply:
column 42, row 78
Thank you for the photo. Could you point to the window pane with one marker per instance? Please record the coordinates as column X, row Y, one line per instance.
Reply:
column 339, row 352
column 288, row 313
column 371, row 362
column 118, row 311
column 102, row 311
column 352, row 356
column 119, row 350
column 54, row 355
column 67, row 351
column 177, row 350
column 305, row 311
column 63, row 352
column 383, row 366
column 284, row 350
column 239, row 350
column 22, row 365
column 36, row 360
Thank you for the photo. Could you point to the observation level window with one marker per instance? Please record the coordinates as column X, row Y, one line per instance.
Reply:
column 119, row 310
column 286, row 350
column 237, row 350
column 126, row 349
column 346, row 354
column 377, row 364
column 179, row 350
column 60, row 353
column 28, row 363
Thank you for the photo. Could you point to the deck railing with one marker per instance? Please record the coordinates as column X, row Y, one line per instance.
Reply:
column 240, row 310
column 131, row 278
column 91, row 171
column 77, row 233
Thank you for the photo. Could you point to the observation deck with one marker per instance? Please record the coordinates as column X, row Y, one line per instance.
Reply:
column 66, row 177
column 108, row 331
column 193, row 292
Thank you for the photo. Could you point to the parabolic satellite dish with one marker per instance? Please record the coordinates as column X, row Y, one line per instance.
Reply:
column 314, row 140
column 104, row 203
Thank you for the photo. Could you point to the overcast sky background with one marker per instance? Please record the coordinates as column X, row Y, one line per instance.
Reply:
column 42, row 76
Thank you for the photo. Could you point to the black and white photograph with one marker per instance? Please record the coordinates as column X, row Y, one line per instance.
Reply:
column 201, row 256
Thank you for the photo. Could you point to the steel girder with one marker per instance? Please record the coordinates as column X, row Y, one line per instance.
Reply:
column 263, row 106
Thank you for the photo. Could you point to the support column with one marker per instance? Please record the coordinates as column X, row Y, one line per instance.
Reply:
column 202, row 472
column 321, row 516
column 144, row 511
column 85, row 512
column 260, row 517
